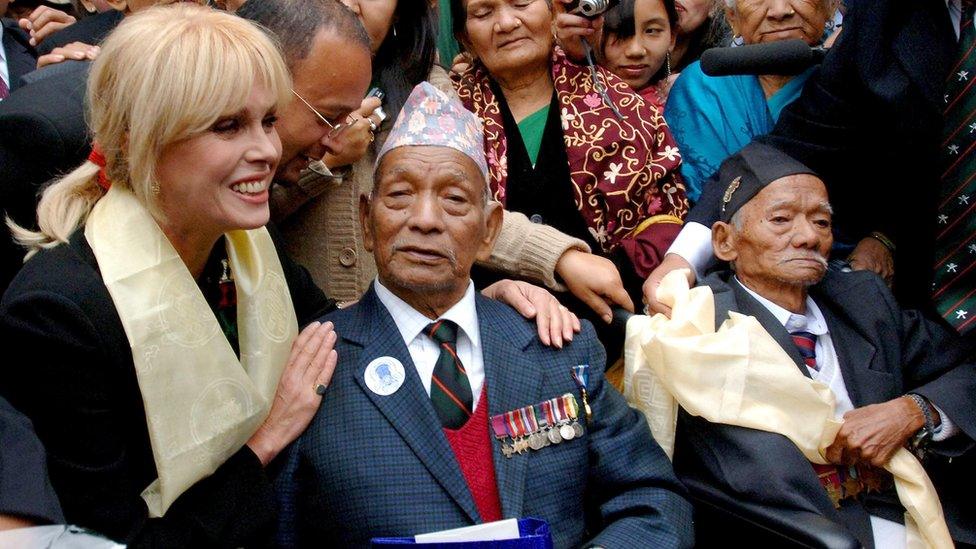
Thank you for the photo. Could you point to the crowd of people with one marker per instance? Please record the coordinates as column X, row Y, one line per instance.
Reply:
column 287, row 273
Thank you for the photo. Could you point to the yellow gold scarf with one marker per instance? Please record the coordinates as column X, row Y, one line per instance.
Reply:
column 202, row 403
column 739, row 375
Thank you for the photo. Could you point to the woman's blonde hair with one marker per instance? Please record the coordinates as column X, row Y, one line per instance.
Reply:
column 165, row 74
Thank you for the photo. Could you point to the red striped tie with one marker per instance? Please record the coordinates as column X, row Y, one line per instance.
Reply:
column 450, row 390
column 806, row 343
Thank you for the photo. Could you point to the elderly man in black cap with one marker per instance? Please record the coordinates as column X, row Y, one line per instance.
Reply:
column 898, row 378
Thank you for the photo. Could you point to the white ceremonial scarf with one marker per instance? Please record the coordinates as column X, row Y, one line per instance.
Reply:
column 739, row 375
column 202, row 403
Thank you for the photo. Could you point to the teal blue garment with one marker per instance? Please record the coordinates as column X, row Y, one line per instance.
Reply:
column 447, row 46
column 712, row 117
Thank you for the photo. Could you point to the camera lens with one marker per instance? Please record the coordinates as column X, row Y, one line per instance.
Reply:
column 592, row 8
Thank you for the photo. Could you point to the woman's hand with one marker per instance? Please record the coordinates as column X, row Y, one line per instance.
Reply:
column 595, row 281
column 569, row 28
column 556, row 323
column 312, row 363
column 77, row 51
column 351, row 143
column 43, row 22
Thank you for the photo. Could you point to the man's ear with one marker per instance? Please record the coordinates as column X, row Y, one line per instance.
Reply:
column 364, row 207
column 723, row 241
column 494, row 217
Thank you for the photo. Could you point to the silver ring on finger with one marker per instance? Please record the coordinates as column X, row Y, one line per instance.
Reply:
column 372, row 125
column 319, row 389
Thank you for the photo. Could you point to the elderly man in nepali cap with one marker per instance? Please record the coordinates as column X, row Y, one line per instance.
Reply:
column 898, row 379
column 446, row 410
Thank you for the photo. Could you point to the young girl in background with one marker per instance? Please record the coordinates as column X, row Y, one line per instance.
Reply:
column 637, row 41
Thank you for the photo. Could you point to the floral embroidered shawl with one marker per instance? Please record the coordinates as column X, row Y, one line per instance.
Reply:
column 625, row 173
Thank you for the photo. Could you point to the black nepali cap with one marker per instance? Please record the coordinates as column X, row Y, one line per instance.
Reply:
column 747, row 172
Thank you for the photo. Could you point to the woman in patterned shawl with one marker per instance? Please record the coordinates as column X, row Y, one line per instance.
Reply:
column 601, row 167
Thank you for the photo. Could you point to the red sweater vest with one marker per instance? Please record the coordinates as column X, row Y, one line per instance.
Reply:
column 472, row 448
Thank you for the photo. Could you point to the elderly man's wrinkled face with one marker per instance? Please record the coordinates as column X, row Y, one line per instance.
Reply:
column 427, row 222
column 781, row 237
column 760, row 21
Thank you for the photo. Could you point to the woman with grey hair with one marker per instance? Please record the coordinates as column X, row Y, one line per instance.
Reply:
column 713, row 117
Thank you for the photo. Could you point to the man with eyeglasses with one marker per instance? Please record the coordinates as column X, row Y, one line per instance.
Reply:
column 328, row 54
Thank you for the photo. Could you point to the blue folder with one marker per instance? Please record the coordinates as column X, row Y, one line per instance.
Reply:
column 533, row 534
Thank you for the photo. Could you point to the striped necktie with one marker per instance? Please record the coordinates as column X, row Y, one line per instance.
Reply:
column 4, row 88
column 450, row 390
column 954, row 276
column 806, row 343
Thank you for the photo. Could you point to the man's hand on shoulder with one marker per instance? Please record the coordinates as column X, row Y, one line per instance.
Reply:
column 556, row 323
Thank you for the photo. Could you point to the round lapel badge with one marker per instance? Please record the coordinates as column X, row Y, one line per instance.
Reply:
column 384, row 375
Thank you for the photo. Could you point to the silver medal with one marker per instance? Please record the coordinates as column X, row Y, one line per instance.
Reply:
column 553, row 436
column 577, row 429
column 567, row 432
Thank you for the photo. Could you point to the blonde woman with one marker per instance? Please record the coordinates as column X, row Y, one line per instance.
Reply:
column 153, row 337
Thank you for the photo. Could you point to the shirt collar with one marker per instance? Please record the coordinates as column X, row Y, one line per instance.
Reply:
column 411, row 322
column 813, row 321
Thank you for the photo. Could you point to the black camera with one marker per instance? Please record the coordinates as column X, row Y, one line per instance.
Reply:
column 589, row 8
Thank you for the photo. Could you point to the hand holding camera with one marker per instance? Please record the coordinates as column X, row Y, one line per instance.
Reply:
column 576, row 20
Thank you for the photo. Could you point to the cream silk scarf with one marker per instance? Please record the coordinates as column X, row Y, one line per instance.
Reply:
column 739, row 375
column 202, row 404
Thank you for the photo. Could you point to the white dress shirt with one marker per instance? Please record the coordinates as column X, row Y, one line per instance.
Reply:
column 424, row 351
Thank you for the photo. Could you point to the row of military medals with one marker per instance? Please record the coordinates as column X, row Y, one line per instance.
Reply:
column 538, row 426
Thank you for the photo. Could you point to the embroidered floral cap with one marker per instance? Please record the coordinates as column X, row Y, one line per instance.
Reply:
column 429, row 117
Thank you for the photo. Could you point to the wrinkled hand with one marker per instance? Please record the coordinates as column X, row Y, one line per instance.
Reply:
column 872, row 255
column 43, row 22
column 595, row 281
column 556, row 323
column 873, row 433
column 670, row 263
column 569, row 28
column 461, row 62
column 77, row 51
column 351, row 143
column 312, row 361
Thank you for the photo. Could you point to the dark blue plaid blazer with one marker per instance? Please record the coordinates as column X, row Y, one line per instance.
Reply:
column 372, row 465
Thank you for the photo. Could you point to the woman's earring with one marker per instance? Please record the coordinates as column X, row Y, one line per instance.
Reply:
column 667, row 65
column 394, row 31
column 154, row 189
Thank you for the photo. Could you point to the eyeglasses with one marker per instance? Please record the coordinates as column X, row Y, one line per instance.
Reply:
column 334, row 129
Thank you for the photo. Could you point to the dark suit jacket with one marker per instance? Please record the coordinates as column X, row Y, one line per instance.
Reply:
column 42, row 134
column 370, row 465
column 870, row 122
column 21, row 56
column 68, row 367
column 883, row 352
column 25, row 490
column 90, row 30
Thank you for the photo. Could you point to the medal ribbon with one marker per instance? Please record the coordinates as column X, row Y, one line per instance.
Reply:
column 571, row 405
column 528, row 416
column 498, row 426
column 581, row 375
column 510, row 425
